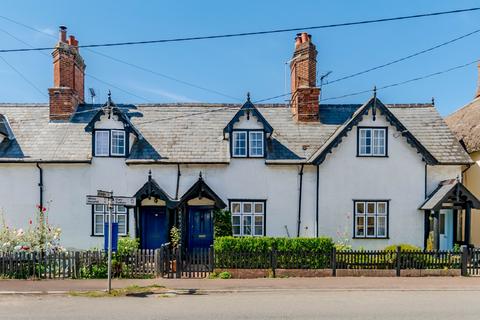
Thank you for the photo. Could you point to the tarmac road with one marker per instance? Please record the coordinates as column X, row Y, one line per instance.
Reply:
column 274, row 304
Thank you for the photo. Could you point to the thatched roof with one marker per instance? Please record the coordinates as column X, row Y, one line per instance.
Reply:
column 465, row 124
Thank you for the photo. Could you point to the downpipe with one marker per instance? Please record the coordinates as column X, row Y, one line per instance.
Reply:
column 299, row 220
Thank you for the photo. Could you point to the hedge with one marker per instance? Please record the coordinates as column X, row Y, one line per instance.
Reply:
column 252, row 252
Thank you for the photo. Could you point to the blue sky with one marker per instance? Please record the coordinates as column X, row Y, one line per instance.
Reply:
column 236, row 65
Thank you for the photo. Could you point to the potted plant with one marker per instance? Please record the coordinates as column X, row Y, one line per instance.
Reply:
column 175, row 241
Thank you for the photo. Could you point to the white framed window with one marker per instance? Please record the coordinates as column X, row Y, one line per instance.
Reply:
column 255, row 143
column 370, row 219
column 248, row 217
column 100, row 217
column 372, row 142
column 118, row 142
column 239, row 143
column 102, row 143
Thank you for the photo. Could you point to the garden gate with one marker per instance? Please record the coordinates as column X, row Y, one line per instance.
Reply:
column 185, row 263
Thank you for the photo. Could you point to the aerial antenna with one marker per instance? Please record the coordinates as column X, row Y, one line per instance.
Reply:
column 322, row 77
column 92, row 94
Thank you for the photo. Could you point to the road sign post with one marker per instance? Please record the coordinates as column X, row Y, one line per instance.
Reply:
column 107, row 199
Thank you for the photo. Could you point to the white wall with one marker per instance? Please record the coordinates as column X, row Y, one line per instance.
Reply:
column 343, row 177
column 399, row 178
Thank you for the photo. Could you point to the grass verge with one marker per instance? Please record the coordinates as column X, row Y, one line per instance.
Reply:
column 131, row 291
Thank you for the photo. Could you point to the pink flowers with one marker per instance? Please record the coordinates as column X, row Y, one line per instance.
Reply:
column 41, row 209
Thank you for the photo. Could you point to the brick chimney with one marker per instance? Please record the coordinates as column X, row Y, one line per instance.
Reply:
column 68, row 78
column 303, row 76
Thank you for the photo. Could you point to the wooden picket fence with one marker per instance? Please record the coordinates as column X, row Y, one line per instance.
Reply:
column 76, row 264
column 199, row 263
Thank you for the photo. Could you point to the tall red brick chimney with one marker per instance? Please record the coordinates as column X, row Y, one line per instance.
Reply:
column 303, row 76
column 68, row 78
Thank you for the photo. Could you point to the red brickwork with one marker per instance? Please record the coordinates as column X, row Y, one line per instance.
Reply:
column 304, row 89
column 68, row 78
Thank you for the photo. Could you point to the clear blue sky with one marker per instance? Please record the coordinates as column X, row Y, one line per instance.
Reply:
column 237, row 65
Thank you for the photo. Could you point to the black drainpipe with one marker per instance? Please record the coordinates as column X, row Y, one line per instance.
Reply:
column 299, row 222
column 426, row 193
column 40, row 185
column 316, row 208
column 178, row 180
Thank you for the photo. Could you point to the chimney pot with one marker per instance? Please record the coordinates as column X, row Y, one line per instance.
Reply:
column 298, row 41
column 63, row 34
column 305, row 37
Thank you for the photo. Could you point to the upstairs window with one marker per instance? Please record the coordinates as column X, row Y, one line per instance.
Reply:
column 372, row 142
column 256, row 143
column 102, row 143
column 110, row 143
column 239, row 144
column 118, row 142
column 248, row 144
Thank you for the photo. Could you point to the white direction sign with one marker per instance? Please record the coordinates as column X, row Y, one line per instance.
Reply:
column 125, row 201
column 104, row 194
column 91, row 200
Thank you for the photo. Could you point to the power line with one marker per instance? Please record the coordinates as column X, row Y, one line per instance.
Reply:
column 404, row 58
column 410, row 56
column 23, row 77
column 121, row 61
column 242, row 34
column 87, row 74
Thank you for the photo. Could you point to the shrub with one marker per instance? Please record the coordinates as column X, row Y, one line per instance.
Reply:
column 175, row 236
column 252, row 252
column 39, row 236
column 222, row 223
column 225, row 275
column 403, row 247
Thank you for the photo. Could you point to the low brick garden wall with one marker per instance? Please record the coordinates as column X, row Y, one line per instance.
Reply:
column 315, row 273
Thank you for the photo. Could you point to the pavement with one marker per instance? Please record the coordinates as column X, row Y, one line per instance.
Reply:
column 252, row 285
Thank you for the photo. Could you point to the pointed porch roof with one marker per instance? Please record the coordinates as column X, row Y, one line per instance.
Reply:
column 451, row 192
column 151, row 189
column 200, row 189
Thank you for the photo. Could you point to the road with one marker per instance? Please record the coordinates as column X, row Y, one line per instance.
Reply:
column 253, row 304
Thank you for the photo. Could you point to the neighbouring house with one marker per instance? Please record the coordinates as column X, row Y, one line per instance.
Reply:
column 370, row 174
column 465, row 124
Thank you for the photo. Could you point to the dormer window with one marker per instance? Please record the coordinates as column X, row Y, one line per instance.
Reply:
column 118, row 142
column 110, row 143
column 248, row 143
column 372, row 142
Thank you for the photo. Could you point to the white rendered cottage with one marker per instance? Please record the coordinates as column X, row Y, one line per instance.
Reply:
column 366, row 173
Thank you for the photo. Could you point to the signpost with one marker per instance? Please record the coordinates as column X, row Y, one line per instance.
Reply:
column 107, row 199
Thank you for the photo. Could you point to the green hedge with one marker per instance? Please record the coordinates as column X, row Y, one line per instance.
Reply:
column 252, row 252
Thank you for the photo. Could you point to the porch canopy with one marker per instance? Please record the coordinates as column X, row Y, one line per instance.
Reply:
column 450, row 194
column 201, row 190
column 151, row 189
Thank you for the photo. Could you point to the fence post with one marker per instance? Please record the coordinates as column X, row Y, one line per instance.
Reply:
column 334, row 262
column 273, row 260
column 211, row 254
column 399, row 260
column 179, row 261
column 464, row 271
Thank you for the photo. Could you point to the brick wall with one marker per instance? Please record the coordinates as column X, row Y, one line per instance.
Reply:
column 68, row 78
column 304, row 89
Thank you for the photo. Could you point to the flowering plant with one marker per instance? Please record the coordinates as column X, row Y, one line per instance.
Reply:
column 38, row 236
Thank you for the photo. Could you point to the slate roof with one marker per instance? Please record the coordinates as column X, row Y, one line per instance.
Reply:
column 193, row 132
column 465, row 124
column 447, row 191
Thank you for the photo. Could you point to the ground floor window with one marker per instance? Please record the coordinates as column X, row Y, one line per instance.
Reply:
column 371, row 219
column 100, row 217
column 248, row 217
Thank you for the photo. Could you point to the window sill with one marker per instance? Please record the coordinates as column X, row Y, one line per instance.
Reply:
column 373, row 156
column 371, row 238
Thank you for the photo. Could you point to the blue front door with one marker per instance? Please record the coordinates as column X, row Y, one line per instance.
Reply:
column 154, row 227
column 200, row 227
column 446, row 229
